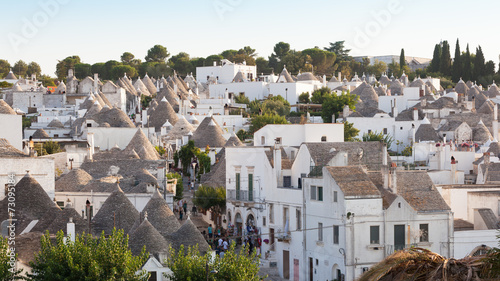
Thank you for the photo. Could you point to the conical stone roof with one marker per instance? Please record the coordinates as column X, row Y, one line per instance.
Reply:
column 147, row 235
column 160, row 215
column 75, row 180
column 162, row 113
column 40, row 134
column 209, row 133
column 233, row 141
column 140, row 87
column 149, row 84
column 180, row 129
column 481, row 134
column 117, row 211
column 140, row 143
column 10, row 76
column 55, row 123
column 189, row 236
column 5, row 108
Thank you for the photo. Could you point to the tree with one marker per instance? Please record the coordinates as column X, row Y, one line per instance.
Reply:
column 263, row 65
column 304, row 97
column 120, row 70
column 127, row 57
column 209, row 61
column 242, row 99
column 52, row 147
column 63, row 66
column 321, row 60
column 467, row 73
column 339, row 49
column 260, row 121
column 181, row 63
column 445, row 61
column 88, row 258
column 319, row 95
column 236, row 265
column 179, row 187
column 375, row 136
column 350, row 132
column 334, row 104
column 294, row 61
column 276, row 105
column 4, row 68
column 98, row 68
column 34, row 68
column 457, row 64
column 157, row 53
column 479, row 64
column 47, row 80
column 436, row 59
column 7, row 272
column 186, row 155
column 489, row 68
column 20, row 68
column 377, row 68
column 211, row 199
column 281, row 49
column 402, row 60
column 83, row 70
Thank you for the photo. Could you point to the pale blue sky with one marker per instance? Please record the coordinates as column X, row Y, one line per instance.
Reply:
column 98, row 31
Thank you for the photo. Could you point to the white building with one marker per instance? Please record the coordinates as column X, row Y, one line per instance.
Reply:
column 225, row 72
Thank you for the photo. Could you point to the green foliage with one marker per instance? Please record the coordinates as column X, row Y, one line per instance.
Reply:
column 402, row 59
column 160, row 150
column 186, row 155
column 242, row 99
column 407, row 151
column 458, row 65
column 5, row 84
column 243, row 135
column 127, row 57
column 157, row 53
column 63, row 66
column 4, row 68
column 145, row 100
column 445, row 60
column 319, row 96
column 120, row 70
column 179, row 188
column 377, row 68
column 350, row 132
column 47, row 80
column 263, row 66
column 374, row 136
column 182, row 63
column 51, row 147
column 34, row 68
column 339, row 49
column 334, row 104
column 211, row 199
column 260, row 121
column 321, row 60
column 20, row 68
column 467, row 74
column 436, row 59
column 276, row 105
column 189, row 264
column 82, row 70
column 6, row 272
column 88, row 258
column 27, row 121
column 304, row 98
column 479, row 64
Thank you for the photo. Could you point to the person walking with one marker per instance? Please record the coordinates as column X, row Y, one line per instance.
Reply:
column 180, row 213
column 210, row 231
column 185, row 206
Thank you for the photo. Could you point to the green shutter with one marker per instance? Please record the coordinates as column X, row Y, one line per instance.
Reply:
column 237, row 186
column 250, row 187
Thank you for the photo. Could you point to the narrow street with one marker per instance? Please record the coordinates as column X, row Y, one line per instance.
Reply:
column 272, row 273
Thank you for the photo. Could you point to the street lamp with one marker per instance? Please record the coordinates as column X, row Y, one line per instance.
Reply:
column 212, row 271
column 71, row 163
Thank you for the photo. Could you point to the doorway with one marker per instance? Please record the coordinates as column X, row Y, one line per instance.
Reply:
column 311, row 273
column 286, row 264
column 399, row 237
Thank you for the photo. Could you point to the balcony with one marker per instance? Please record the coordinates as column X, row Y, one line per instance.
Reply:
column 316, row 171
column 242, row 195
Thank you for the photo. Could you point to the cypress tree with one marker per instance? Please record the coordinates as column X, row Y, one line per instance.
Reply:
column 402, row 60
column 436, row 59
column 457, row 64
column 467, row 76
column 479, row 64
column 445, row 63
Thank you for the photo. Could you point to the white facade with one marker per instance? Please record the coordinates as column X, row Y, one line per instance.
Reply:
column 294, row 135
column 225, row 73
column 409, row 98
column 108, row 137
column 11, row 129
column 41, row 169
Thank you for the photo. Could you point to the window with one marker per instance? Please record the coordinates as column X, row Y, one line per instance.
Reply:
column 401, row 128
column 385, row 131
column 278, row 140
column 369, row 131
column 313, row 192
column 298, row 215
column 374, row 234
column 316, row 193
column 238, row 186
column 286, row 217
column 264, row 221
column 424, row 232
column 250, row 187
column 262, row 140
column 320, row 231
column 271, row 213
column 335, row 234
column 287, row 181
column 335, row 196
column 323, row 139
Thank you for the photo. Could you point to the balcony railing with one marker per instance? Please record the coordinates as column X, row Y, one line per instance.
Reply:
column 242, row 195
column 316, row 171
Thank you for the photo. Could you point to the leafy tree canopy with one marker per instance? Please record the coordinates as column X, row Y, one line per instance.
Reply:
column 157, row 53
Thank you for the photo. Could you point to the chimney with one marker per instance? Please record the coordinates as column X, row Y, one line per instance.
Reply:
column 345, row 112
column 324, row 80
column 96, row 84
column 395, row 109
column 453, row 171
column 144, row 118
column 423, row 102
column 70, row 73
column 340, row 76
column 160, row 176
column 393, row 179
column 277, row 163
column 415, row 114
column 215, row 63
column 384, row 154
column 70, row 230
column 90, row 139
column 211, row 154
